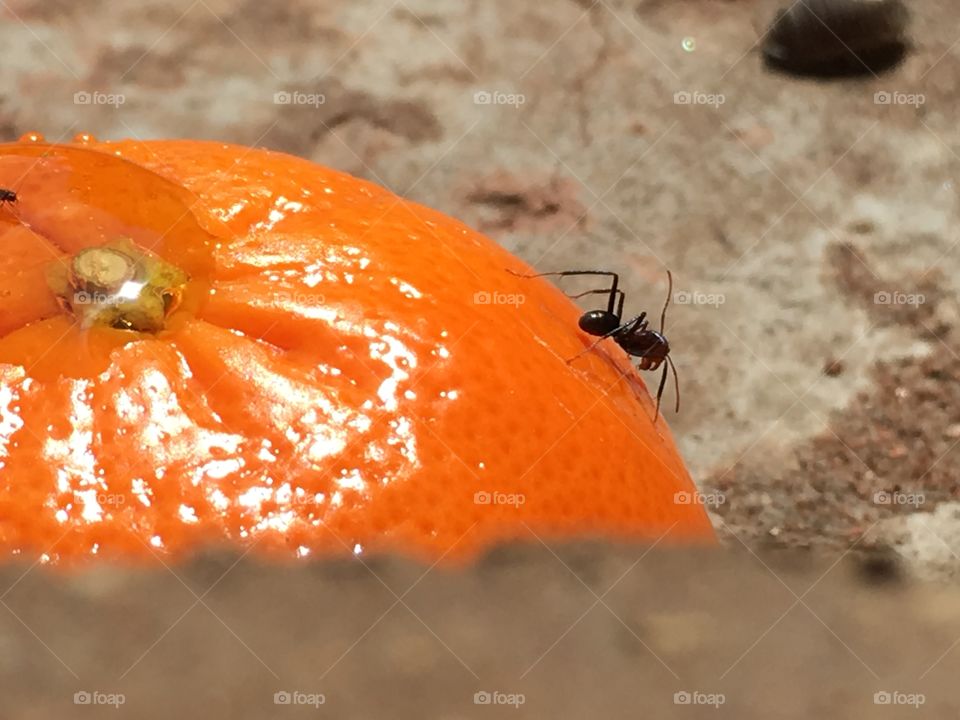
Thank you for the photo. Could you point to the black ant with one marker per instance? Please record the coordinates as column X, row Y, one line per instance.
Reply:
column 634, row 336
column 7, row 196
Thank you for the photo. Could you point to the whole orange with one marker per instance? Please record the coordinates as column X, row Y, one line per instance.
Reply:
column 338, row 369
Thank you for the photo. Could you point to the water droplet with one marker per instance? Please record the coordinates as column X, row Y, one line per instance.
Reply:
column 689, row 44
column 32, row 137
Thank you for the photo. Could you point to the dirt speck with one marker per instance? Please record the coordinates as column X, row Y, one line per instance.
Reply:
column 834, row 368
column 513, row 204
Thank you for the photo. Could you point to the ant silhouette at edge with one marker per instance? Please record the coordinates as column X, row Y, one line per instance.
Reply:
column 634, row 336
column 7, row 197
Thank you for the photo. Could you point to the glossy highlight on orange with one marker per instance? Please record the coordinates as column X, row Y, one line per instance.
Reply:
column 345, row 372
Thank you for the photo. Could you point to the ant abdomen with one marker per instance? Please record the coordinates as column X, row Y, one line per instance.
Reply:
column 599, row 322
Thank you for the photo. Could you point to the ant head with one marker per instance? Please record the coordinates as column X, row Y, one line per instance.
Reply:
column 599, row 322
column 652, row 347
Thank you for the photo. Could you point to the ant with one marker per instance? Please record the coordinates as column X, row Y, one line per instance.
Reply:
column 7, row 196
column 634, row 336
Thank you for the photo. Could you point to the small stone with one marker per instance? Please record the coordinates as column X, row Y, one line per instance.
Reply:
column 897, row 451
column 879, row 568
column 952, row 431
column 833, row 368
column 861, row 227
column 837, row 38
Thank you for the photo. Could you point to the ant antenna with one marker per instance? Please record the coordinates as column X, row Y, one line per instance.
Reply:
column 673, row 368
column 663, row 383
column 663, row 315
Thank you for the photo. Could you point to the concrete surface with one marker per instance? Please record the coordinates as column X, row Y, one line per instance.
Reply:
column 581, row 631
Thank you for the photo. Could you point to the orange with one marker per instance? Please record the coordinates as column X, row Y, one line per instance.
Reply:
column 336, row 369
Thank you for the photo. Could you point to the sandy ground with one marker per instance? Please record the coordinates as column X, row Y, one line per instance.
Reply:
column 812, row 232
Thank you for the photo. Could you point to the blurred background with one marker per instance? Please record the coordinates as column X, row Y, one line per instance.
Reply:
column 811, row 228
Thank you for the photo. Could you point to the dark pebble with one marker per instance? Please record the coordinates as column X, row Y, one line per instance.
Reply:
column 837, row 38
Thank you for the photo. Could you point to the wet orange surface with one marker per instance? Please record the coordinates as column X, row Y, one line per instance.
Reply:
column 347, row 372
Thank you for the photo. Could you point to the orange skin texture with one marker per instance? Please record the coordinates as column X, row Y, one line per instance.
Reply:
column 329, row 383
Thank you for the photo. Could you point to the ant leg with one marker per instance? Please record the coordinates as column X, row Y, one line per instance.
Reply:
column 663, row 383
column 629, row 326
column 676, row 382
column 568, row 273
column 592, row 292
column 617, row 293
